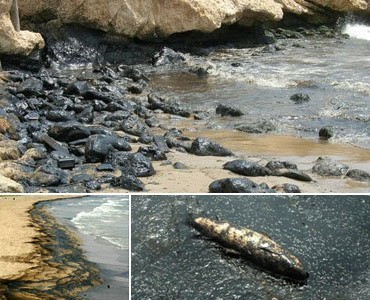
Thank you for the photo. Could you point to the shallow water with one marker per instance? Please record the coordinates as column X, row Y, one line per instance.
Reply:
column 334, row 73
column 330, row 235
column 102, row 222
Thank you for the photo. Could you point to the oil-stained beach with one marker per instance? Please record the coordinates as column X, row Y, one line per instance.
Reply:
column 42, row 258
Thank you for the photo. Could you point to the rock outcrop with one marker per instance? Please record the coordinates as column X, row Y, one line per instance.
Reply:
column 152, row 18
column 12, row 41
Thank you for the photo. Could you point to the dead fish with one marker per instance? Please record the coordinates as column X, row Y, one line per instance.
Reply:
column 256, row 247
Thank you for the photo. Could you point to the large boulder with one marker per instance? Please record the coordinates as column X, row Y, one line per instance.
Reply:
column 153, row 18
column 14, row 42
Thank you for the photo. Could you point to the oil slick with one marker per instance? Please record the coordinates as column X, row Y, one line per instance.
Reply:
column 256, row 247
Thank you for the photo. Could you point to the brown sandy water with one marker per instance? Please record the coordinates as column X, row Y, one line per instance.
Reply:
column 280, row 145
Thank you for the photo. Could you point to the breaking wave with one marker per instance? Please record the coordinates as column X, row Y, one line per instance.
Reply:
column 358, row 31
column 107, row 221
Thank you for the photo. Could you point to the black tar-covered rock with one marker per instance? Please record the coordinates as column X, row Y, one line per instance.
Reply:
column 238, row 185
column 326, row 133
column 287, row 188
column 261, row 126
column 99, row 146
column 128, row 182
column 227, row 110
column 168, row 106
column 69, row 131
column 153, row 152
column 300, row 98
column 167, row 56
column 276, row 165
column 206, row 147
column 247, row 168
column 136, row 164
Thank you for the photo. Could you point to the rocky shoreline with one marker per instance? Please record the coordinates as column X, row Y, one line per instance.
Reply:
column 84, row 117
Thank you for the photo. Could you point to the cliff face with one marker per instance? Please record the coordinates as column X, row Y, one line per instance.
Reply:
column 12, row 41
column 151, row 18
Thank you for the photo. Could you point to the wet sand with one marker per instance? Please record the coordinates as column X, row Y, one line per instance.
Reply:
column 202, row 171
column 17, row 252
column 112, row 261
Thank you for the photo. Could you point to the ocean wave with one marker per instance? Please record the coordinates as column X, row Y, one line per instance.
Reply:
column 107, row 221
column 359, row 86
column 357, row 31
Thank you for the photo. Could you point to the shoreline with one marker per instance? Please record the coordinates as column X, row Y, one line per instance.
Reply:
column 46, row 260
column 144, row 119
column 112, row 261
column 259, row 148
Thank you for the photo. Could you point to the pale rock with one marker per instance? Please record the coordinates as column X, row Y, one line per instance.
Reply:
column 14, row 171
column 9, row 186
column 153, row 18
column 9, row 150
column 13, row 42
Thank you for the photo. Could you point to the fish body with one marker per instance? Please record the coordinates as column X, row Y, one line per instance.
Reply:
column 254, row 246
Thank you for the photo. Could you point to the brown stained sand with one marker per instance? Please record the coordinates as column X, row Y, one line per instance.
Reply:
column 27, row 266
column 17, row 235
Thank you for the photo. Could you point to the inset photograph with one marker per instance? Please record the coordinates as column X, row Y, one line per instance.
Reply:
column 250, row 247
column 74, row 247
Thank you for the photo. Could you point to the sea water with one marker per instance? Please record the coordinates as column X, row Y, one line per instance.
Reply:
column 102, row 223
column 334, row 72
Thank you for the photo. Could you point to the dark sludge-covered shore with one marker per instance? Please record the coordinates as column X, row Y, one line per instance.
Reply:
column 83, row 116
column 62, row 270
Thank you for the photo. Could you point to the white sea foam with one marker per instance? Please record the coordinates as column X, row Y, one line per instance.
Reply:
column 358, row 31
column 359, row 86
column 107, row 221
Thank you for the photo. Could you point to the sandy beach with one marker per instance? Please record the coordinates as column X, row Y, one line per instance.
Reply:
column 17, row 252
column 39, row 258
column 45, row 257
column 261, row 149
